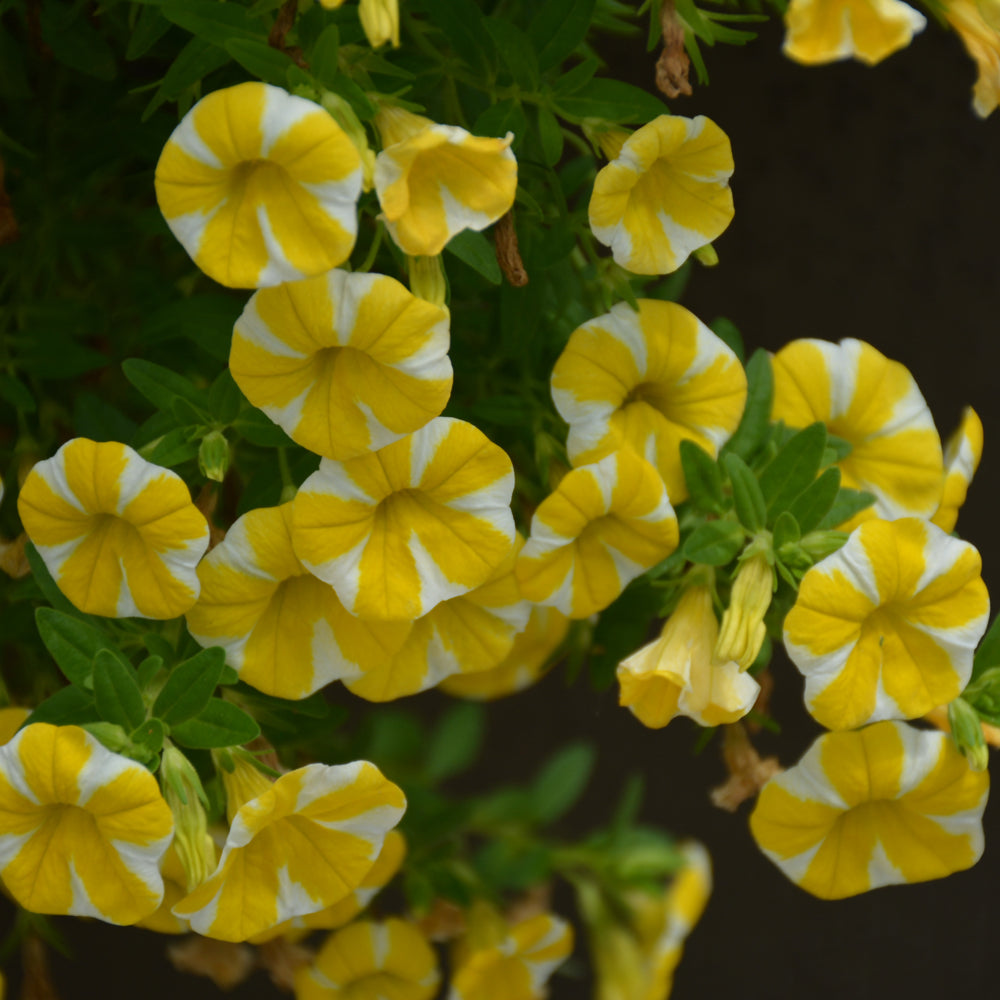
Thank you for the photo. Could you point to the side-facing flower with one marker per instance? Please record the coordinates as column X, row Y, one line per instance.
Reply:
column 678, row 675
column 380, row 21
column 399, row 530
column 284, row 630
column 664, row 194
column 875, row 406
column 345, row 363
column 886, row 627
column 604, row 525
column 120, row 535
column 648, row 380
column 961, row 459
column 433, row 181
column 981, row 37
column 82, row 829
column 880, row 806
column 260, row 187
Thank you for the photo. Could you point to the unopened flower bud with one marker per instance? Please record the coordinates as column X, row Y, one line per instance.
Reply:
column 427, row 279
column 706, row 255
column 967, row 731
column 742, row 632
column 380, row 20
column 345, row 116
column 185, row 795
column 214, row 456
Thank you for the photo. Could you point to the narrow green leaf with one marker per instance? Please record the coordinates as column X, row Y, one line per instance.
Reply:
column 117, row 692
column 988, row 654
column 561, row 781
column 461, row 21
column 573, row 79
column 258, row 58
column 613, row 100
column 727, row 332
column 147, row 671
column 793, row 469
column 69, row 707
column 196, row 60
column 150, row 27
column 515, row 50
column 178, row 446
column 558, row 28
column 213, row 22
column 161, row 386
column 845, row 506
column 786, row 530
column 813, row 503
column 756, row 419
column 703, row 476
column 456, row 742
column 323, row 60
column 190, row 686
column 219, row 724
column 17, row 394
column 259, row 429
column 500, row 118
column 475, row 250
column 150, row 736
column 747, row 497
column 714, row 543
column 550, row 137
column 72, row 642
column 225, row 398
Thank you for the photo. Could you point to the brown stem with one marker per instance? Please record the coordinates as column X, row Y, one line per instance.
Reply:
column 508, row 254
column 282, row 25
column 673, row 66
column 9, row 230
column 748, row 772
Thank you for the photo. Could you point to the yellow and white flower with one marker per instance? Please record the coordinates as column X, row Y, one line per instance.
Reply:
column 978, row 25
column 961, row 459
column 822, row 31
column 260, row 187
column 82, row 829
column 648, row 380
column 433, row 181
column 677, row 674
column 119, row 535
column 880, row 806
column 886, row 627
column 604, row 525
column 873, row 404
column 344, row 363
column 284, row 630
column 400, row 530
column 664, row 194
column 368, row 959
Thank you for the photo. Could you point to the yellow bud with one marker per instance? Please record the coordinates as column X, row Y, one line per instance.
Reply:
column 427, row 279
column 742, row 632
column 707, row 255
column 184, row 794
column 396, row 124
column 380, row 19
column 608, row 138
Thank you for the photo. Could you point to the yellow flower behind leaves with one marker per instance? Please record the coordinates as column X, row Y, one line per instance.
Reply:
column 284, row 630
column 648, row 380
column 886, row 627
column 400, row 530
column 434, row 181
column 822, row 31
column 344, row 363
column 677, row 674
column 978, row 25
column 873, row 404
column 961, row 459
column 604, row 525
column 82, row 829
column 119, row 535
column 260, row 187
column 883, row 805
column 665, row 194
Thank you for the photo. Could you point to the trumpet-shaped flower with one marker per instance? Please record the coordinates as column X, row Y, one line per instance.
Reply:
column 822, row 31
column 370, row 961
column 677, row 674
column 304, row 844
column 82, row 829
column 961, row 459
column 886, row 627
column 120, row 535
column 399, row 530
column 664, row 194
column 433, row 181
column 345, row 363
column 604, row 525
column 981, row 37
column 284, row 631
column 880, row 806
column 260, row 187
column 873, row 404
column 648, row 380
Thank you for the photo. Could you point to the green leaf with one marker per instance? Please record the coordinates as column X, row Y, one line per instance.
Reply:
column 786, row 530
column 573, row 79
column 258, row 58
column 17, row 394
column 756, row 419
column 51, row 356
column 813, row 503
column 172, row 449
column 161, row 386
column 363, row 107
column 714, row 543
column 794, row 468
column 847, row 504
column 213, row 22
column 205, row 320
column 75, row 42
column 703, row 477
column 117, row 692
column 726, row 331
column 500, row 118
column 68, row 707
column 259, row 429
column 515, row 50
column 196, row 60
column 73, row 643
column 747, row 497
column 219, row 724
column 988, row 654
column 150, row 736
column 475, row 250
column 513, row 867
column 613, row 100
column 558, row 28
column 561, row 781
column 190, row 686
column 148, row 670
column 461, row 21
column 150, row 27
column 323, row 60
column 456, row 742
column 97, row 419
column 550, row 137
column 225, row 398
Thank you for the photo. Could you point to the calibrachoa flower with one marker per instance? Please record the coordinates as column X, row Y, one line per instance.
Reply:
column 961, row 459
column 677, row 674
column 260, row 187
column 822, row 31
column 120, row 535
column 604, row 525
column 367, row 959
column 301, row 845
column 433, row 181
column 981, row 38
column 82, row 829
column 345, row 363
column 873, row 404
column 648, row 380
column 397, row 531
column 886, row 627
column 664, row 194
column 880, row 806
column 284, row 631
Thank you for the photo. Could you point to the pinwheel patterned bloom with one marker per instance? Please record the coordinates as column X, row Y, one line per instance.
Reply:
column 433, row 181
column 260, row 187
column 873, row 404
column 677, row 675
column 284, row 631
column 822, row 31
column 978, row 25
column 886, row 627
column 399, row 530
column 604, row 525
column 120, row 535
column 648, row 380
column 368, row 959
column 664, row 194
column 880, row 806
column 961, row 459
column 344, row 363
column 303, row 844
column 82, row 829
